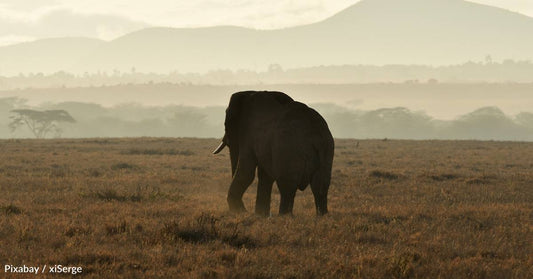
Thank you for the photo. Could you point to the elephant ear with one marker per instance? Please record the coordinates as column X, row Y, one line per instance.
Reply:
column 233, row 113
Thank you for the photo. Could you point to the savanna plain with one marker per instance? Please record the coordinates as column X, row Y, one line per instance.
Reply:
column 156, row 208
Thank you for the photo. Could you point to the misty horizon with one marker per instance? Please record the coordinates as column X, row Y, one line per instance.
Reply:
column 136, row 120
column 443, row 59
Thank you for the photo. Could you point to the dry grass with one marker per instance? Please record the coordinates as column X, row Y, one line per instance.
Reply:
column 156, row 208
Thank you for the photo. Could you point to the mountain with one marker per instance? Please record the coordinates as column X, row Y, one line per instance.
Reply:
column 433, row 32
column 430, row 32
column 57, row 23
column 45, row 56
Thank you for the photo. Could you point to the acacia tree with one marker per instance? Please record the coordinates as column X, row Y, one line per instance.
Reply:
column 40, row 123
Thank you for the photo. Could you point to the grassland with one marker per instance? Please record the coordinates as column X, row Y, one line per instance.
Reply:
column 155, row 208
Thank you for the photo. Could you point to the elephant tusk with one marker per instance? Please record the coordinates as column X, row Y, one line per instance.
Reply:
column 219, row 148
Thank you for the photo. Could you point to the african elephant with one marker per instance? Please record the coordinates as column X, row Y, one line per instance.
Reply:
column 286, row 141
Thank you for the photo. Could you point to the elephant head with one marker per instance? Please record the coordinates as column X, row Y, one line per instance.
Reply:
column 231, row 124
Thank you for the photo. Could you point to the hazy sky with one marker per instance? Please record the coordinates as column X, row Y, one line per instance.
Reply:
column 23, row 20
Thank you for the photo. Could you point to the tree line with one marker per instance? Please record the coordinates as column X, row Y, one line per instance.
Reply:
column 84, row 120
column 470, row 72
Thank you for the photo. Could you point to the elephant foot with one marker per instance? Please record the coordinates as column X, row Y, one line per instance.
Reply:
column 237, row 209
column 286, row 212
column 262, row 213
column 236, row 205
column 321, row 211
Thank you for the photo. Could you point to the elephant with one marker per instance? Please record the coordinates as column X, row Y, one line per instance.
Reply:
column 285, row 141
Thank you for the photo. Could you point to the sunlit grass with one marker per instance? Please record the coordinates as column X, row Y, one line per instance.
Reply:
column 153, row 207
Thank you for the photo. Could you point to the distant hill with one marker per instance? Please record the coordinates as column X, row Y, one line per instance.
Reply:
column 436, row 32
column 48, row 55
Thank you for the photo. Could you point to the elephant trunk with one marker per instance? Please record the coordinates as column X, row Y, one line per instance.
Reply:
column 234, row 157
column 233, row 151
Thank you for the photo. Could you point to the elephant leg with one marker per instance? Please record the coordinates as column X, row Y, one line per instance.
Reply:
column 264, row 193
column 244, row 175
column 288, row 192
column 321, row 198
